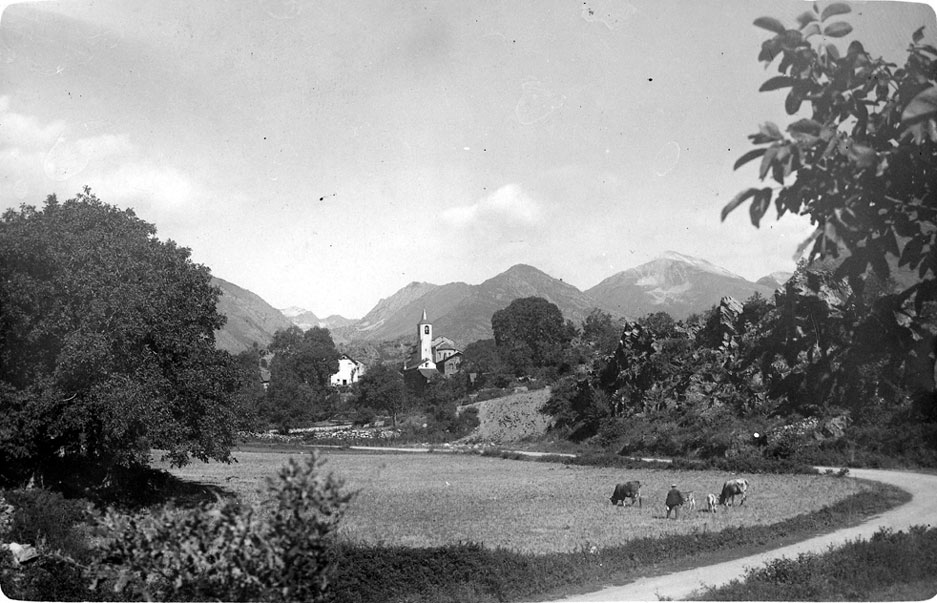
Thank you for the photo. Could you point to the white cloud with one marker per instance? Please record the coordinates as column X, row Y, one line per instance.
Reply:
column 163, row 186
column 509, row 205
column 39, row 158
column 25, row 131
column 69, row 158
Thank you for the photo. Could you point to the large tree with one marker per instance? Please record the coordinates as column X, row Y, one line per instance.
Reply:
column 106, row 343
column 862, row 164
column 382, row 389
column 302, row 365
column 530, row 333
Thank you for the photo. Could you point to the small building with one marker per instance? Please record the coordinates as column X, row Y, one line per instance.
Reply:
column 450, row 364
column 349, row 371
column 444, row 349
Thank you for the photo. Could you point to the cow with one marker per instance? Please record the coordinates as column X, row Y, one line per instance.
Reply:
column 731, row 489
column 630, row 490
column 711, row 502
column 689, row 501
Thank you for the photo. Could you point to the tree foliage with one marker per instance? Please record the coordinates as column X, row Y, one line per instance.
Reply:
column 863, row 165
column 382, row 389
column 106, row 343
column 302, row 365
column 530, row 333
column 601, row 332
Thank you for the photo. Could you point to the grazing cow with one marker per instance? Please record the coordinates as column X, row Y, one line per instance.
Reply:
column 731, row 489
column 689, row 501
column 711, row 502
column 630, row 490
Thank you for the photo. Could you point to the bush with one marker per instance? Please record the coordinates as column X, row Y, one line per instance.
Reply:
column 42, row 517
column 280, row 551
column 861, row 570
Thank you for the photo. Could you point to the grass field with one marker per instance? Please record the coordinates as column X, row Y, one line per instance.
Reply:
column 435, row 499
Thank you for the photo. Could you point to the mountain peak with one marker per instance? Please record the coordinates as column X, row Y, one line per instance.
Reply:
column 698, row 263
column 523, row 268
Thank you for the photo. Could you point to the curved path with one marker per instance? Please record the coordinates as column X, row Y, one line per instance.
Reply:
column 922, row 509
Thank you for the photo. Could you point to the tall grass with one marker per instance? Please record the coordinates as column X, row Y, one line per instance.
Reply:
column 891, row 566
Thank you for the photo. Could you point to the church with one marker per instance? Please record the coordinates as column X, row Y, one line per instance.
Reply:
column 430, row 358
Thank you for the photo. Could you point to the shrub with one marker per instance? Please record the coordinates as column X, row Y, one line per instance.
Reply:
column 861, row 570
column 280, row 551
column 47, row 518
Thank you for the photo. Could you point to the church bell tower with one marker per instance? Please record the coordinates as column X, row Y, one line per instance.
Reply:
column 426, row 339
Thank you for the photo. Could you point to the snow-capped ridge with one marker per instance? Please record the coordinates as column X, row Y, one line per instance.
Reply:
column 698, row 263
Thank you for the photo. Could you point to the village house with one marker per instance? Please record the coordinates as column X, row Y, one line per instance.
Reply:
column 349, row 371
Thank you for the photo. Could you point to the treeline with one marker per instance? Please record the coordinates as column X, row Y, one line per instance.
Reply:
column 813, row 375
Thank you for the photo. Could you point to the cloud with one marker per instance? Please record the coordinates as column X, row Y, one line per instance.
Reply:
column 38, row 158
column 510, row 205
column 162, row 186
column 69, row 158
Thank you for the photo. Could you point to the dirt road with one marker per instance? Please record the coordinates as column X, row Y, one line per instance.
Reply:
column 922, row 509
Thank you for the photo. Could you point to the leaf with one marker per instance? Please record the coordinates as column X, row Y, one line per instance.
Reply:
column 766, row 162
column 812, row 29
column 760, row 205
column 911, row 254
column 859, row 110
column 767, row 132
column 771, row 24
column 832, row 51
column 837, row 30
column 791, row 39
column 736, row 201
column 921, row 106
column 853, row 266
column 754, row 154
column 769, row 50
column 777, row 82
column 855, row 48
column 837, row 8
column 806, row 126
column 807, row 140
column 806, row 18
column 792, row 102
column 918, row 34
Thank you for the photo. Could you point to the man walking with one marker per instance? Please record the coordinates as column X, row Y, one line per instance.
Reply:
column 674, row 501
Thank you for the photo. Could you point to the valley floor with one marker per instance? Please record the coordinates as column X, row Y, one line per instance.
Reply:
column 922, row 509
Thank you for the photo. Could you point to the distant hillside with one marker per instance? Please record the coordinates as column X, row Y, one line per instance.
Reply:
column 305, row 320
column 250, row 319
column 470, row 320
column 674, row 283
column 302, row 318
column 775, row 279
column 463, row 312
column 371, row 327
column 510, row 419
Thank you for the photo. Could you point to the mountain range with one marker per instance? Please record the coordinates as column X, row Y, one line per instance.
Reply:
column 674, row 283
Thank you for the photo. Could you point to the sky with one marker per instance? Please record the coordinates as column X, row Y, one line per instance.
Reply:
column 326, row 154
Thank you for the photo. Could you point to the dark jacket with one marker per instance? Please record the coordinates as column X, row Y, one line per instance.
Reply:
column 674, row 498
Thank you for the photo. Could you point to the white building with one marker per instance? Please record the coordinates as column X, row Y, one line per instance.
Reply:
column 349, row 371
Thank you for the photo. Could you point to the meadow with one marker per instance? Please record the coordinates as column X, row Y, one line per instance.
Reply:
column 426, row 500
